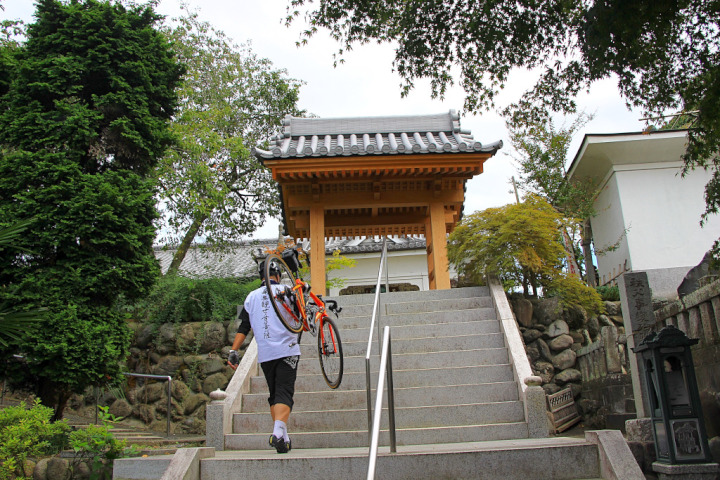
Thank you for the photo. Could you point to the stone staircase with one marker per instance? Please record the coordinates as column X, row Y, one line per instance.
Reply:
column 459, row 410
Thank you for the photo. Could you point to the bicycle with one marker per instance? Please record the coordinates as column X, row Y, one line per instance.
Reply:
column 300, row 310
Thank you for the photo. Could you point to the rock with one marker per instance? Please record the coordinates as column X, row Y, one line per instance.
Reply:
column 533, row 353
column 132, row 395
column 616, row 320
column 58, row 469
column 577, row 336
column 153, row 392
column 613, row 308
column 194, row 360
column 550, row 388
column 544, row 349
column 593, row 327
column 523, row 310
column 179, row 390
column 540, row 327
column 575, row 347
column 544, row 370
column 144, row 336
column 605, row 321
column 714, row 445
column 155, row 357
column 547, row 310
column 194, row 425
column 120, row 408
column 576, row 389
column 28, row 467
column 194, row 401
column 561, row 343
column 228, row 371
column 165, row 341
column 186, row 336
column 212, row 365
column 213, row 382
column 144, row 412
column 530, row 335
column 576, row 317
column 40, row 470
column 564, row 360
column 213, row 337
column 567, row 376
column 81, row 471
column 232, row 331
column 168, row 365
column 191, row 379
column 693, row 279
column 557, row 328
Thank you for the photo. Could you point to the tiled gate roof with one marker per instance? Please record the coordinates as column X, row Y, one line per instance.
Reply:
column 416, row 134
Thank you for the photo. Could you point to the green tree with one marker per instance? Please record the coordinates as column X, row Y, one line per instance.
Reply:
column 542, row 150
column 230, row 100
column 520, row 243
column 664, row 54
column 82, row 123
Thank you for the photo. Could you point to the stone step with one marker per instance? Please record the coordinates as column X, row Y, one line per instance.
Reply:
column 447, row 316
column 405, row 417
column 406, row 397
column 557, row 459
column 419, row 296
column 421, row 344
column 334, row 440
column 423, row 329
column 438, row 305
column 313, row 382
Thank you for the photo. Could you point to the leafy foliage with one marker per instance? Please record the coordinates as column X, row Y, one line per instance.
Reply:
column 230, row 101
column 520, row 243
column 82, row 123
column 181, row 299
column 610, row 293
column 27, row 433
column 664, row 54
column 97, row 444
column 542, row 150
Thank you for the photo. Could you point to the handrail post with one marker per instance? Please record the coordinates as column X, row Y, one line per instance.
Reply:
column 168, row 379
column 391, row 393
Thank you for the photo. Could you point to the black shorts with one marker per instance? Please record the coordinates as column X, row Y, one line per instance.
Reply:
column 280, row 376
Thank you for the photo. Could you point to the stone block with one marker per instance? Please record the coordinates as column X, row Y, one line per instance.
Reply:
column 564, row 360
column 639, row 430
column 523, row 310
column 544, row 350
column 561, row 342
column 544, row 370
column 120, row 408
column 213, row 382
column 530, row 335
column 697, row 471
column 567, row 376
column 557, row 328
column 213, row 337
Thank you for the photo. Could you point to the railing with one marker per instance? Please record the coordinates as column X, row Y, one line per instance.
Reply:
column 167, row 378
column 375, row 317
column 385, row 365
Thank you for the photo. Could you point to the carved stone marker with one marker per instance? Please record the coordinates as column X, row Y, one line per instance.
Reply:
column 639, row 321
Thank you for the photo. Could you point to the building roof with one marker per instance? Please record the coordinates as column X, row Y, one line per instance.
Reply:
column 388, row 135
column 600, row 153
column 239, row 262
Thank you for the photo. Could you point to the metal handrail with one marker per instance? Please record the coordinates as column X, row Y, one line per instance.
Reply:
column 376, row 315
column 385, row 364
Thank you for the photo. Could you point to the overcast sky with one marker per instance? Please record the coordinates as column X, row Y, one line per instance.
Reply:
column 366, row 86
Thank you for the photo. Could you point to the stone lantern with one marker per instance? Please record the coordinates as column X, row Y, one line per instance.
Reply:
column 674, row 401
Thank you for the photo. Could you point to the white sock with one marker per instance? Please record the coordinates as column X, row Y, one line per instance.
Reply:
column 280, row 429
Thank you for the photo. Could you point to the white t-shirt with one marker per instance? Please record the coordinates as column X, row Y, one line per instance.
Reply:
column 273, row 339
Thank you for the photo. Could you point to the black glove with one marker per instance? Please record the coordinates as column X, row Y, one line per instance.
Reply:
column 233, row 358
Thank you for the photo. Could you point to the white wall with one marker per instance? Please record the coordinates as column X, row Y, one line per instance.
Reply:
column 403, row 267
column 661, row 211
column 608, row 228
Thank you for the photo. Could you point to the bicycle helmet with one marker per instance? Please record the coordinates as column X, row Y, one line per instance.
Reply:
column 274, row 270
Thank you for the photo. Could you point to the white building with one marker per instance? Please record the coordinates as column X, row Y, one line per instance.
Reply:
column 648, row 215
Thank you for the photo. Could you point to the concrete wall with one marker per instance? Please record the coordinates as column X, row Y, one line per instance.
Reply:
column 609, row 229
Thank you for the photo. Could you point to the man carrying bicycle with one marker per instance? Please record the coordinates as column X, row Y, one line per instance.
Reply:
column 278, row 355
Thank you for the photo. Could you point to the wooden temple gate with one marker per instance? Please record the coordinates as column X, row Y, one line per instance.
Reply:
column 374, row 176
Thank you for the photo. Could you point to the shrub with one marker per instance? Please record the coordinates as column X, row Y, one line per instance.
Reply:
column 609, row 293
column 27, row 433
column 182, row 299
column 98, row 446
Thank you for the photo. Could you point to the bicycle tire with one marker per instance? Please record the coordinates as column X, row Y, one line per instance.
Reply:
column 282, row 296
column 331, row 353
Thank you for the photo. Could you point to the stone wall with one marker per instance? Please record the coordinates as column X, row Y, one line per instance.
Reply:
column 553, row 338
column 194, row 354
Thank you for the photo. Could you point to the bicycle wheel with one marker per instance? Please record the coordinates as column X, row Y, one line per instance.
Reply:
column 282, row 296
column 330, row 352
